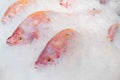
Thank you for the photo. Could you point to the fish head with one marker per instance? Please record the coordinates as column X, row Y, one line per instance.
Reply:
column 17, row 37
column 21, row 37
column 8, row 16
column 12, row 11
column 47, row 57
column 44, row 60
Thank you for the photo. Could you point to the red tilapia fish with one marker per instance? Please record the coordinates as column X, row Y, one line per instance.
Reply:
column 55, row 48
column 13, row 10
column 66, row 3
column 112, row 30
column 28, row 30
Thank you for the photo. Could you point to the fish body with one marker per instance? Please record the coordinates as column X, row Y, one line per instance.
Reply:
column 13, row 10
column 28, row 30
column 66, row 3
column 55, row 47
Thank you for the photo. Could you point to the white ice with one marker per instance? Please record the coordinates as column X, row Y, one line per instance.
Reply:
column 92, row 58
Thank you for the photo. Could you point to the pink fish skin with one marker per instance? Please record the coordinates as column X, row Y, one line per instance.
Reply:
column 13, row 10
column 28, row 30
column 66, row 3
column 112, row 31
column 103, row 1
column 55, row 48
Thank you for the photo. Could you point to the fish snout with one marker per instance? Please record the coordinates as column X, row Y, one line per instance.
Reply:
column 38, row 65
column 3, row 21
column 10, row 41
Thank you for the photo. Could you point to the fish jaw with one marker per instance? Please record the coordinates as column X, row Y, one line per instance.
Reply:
column 55, row 48
column 16, row 37
column 39, row 63
column 11, row 41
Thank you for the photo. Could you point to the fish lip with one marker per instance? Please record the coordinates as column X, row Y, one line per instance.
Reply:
column 39, row 66
column 36, row 65
column 9, row 43
column 3, row 21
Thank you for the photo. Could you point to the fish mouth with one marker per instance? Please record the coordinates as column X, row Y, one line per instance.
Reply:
column 38, row 66
column 10, row 43
column 3, row 21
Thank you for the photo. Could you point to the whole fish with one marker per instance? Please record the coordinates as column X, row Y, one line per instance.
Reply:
column 28, row 30
column 66, row 3
column 13, row 10
column 55, row 47
column 112, row 30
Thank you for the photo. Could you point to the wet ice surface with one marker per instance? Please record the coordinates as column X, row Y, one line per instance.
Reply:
column 92, row 58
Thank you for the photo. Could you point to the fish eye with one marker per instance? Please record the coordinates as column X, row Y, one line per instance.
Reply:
column 49, row 59
column 9, row 16
column 67, row 34
column 20, row 38
column 94, row 9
